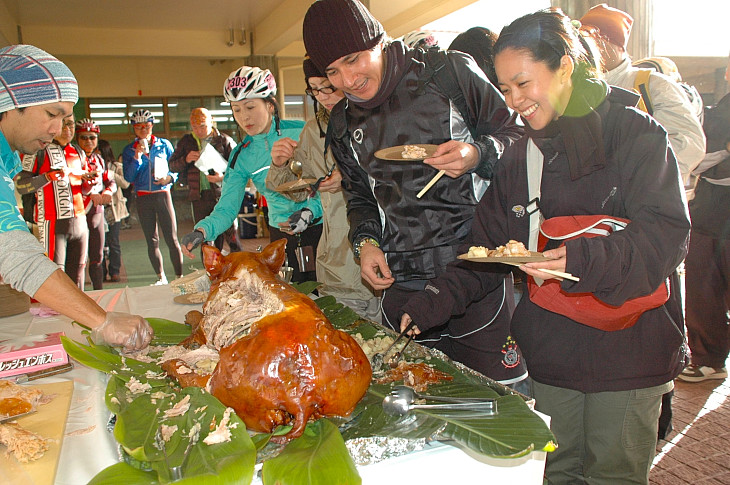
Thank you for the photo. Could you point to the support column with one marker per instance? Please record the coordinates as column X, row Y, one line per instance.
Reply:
column 641, row 41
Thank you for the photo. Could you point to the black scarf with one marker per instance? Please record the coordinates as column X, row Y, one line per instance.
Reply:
column 396, row 64
column 581, row 128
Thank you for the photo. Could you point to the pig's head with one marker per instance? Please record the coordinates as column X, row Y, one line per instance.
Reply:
column 244, row 289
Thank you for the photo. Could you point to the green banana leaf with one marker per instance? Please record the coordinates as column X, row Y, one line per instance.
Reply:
column 514, row 431
column 318, row 457
column 168, row 332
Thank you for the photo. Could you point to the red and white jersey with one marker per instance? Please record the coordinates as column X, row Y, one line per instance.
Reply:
column 60, row 199
column 103, row 183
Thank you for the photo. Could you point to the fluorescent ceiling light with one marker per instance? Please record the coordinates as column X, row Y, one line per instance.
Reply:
column 107, row 105
column 107, row 114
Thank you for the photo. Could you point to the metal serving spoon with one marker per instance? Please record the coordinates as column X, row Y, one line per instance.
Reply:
column 397, row 406
column 296, row 168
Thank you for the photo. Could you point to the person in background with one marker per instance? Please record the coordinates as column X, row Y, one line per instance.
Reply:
column 707, row 283
column 37, row 95
column 591, row 152
column 478, row 42
column 671, row 106
column 419, row 39
column 666, row 66
column 251, row 92
column 60, row 177
column 204, row 188
column 146, row 166
column 337, row 269
column 102, row 186
column 114, row 214
column 402, row 240
column 664, row 99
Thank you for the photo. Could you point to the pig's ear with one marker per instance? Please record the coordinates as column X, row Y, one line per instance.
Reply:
column 274, row 254
column 213, row 261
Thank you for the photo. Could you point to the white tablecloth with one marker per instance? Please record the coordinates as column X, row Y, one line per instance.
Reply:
column 88, row 447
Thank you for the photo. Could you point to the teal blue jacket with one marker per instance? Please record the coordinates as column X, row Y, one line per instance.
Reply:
column 252, row 161
column 10, row 218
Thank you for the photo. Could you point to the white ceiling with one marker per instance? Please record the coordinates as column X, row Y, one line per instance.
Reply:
column 186, row 28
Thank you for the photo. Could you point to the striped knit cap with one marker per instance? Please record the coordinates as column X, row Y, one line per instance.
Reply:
column 30, row 76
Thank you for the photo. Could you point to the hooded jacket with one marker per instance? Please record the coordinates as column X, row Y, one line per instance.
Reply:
column 673, row 110
column 614, row 161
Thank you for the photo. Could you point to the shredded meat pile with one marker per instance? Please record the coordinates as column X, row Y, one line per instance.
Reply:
column 281, row 361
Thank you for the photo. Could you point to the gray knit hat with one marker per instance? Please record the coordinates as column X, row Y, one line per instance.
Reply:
column 336, row 28
column 30, row 76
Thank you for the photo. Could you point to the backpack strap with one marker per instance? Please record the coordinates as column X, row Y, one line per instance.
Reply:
column 337, row 125
column 234, row 154
column 444, row 75
column 641, row 86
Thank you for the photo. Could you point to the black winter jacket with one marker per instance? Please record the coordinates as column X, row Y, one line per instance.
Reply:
column 640, row 182
column 419, row 236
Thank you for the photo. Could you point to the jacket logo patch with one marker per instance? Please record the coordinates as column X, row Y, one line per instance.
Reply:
column 511, row 357
column 519, row 210
column 432, row 289
column 357, row 135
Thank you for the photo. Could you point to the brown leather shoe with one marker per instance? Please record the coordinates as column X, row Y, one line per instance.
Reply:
column 115, row 278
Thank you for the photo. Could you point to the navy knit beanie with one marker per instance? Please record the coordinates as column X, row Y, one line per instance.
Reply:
column 336, row 28
column 310, row 69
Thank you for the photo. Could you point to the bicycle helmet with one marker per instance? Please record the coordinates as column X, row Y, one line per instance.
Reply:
column 249, row 83
column 87, row 125
column 142, row 116
column 420, row 39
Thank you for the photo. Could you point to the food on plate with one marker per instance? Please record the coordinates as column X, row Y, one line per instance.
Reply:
column 23, row 444
column 413, row 152
column 511, row 249
column 417, row 375
column 280, row 360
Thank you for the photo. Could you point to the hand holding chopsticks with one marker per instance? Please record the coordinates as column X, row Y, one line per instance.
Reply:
column 430, row 184
column 453, row 158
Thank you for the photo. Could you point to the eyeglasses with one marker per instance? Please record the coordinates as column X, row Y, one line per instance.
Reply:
column 325, row 90
column 87, row 137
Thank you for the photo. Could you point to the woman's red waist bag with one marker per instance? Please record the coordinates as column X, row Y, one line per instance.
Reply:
column 585, row 308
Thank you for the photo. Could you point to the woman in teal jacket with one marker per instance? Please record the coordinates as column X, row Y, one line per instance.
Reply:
column 251, row 91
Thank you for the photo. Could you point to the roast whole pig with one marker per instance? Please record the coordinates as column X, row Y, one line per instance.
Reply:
column 281, row 361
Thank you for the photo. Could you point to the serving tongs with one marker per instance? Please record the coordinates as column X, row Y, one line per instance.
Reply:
column 379, row 358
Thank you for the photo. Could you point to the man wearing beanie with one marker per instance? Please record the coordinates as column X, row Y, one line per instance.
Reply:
column 402, row 238
column 37, row 94
column 671, row 107
column 337, row 269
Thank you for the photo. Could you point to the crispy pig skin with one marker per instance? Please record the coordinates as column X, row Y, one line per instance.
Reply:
column 293, row 365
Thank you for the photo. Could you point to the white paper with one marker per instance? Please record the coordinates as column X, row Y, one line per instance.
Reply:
column 210, row 158
column 162, row 169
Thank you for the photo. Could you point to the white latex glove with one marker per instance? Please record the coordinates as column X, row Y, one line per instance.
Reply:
column 122, row 329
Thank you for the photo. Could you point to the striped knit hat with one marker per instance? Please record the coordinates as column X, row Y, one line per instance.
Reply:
column 30, row 76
